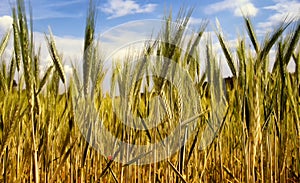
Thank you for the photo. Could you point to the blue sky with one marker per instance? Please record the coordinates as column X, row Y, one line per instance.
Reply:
column 67, row 18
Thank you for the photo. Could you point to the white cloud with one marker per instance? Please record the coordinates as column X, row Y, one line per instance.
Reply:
column 119, row 8
column 248, row 9
column 282, row 9
column 238, row 7
column 5, row 23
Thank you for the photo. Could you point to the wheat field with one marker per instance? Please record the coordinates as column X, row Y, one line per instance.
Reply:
column 257, row 140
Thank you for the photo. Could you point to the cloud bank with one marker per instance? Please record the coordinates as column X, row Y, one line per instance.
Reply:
column 119, row 8
column 237, row 7
column 282, row 10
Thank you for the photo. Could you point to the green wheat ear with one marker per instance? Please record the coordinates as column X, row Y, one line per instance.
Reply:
column 4, row 41
column 88, row 46
column 55, row 57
